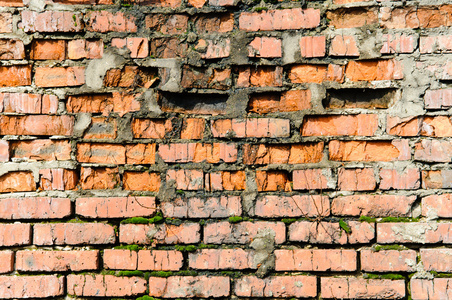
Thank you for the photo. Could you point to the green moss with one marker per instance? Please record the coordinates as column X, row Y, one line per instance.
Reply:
column 367, row 219
column 173, row 221
column 391, row 276
column 180, row 192
column 441, row 275
column 395, row 220
column 202, row 222
column 389, row 247
column 344, row 226
column 135, row 220
column 186, row 273
column 129, row 247
column 160, row 274
column 189, row 248
column 108, row 272
column 289, row 220
column 131, row 273
column 157, row 219
column 231, row 274
column 204, row 246
column 235, row 219
column 146, row 297
column 260, row 8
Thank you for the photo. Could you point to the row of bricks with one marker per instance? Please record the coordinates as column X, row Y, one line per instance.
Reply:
column 218, row 286
column 35, row 208
column 268, row 20
column 318, row 260
column 223, row 232
column 194, row 180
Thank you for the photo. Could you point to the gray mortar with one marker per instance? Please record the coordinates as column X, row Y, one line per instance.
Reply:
column 264, row 246
column 97, row 68
column 174, row 64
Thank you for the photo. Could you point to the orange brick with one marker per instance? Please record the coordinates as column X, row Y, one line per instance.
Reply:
column 410, row 126
column 272, row 181
column 141, row 181
column 34, row 208
column 140, row 154
column 20, row 181
column 436, row 288
column 12, row 49
column 365, row 125
column 59, row 76
column 167, row 24
column 105, row 21
column 265, row 47
column 223, row 22
column 186, row 233
column 344, row 46
column 277, row 154
column 6, row 261
column 6, row 22
column 36, row 125
column 420, row 233
column 101, row 153
column 56, row 261
column 360, row 288
column 41, row 150
column 373, row 205
column 369, row 150
column 15, row 76
column 437, row 260
column 91, row 49
column 138, row 47
column 251, row 127
column 73, row 234
column 189, row 286
column 151, row 128
column 115, row 207
column 330, row 260
column 260, row 76
column 316, row 73
column 293, row 100
column 393, row 179
column 388, row 260
column 437, row 206
column 186, row 179
column 57, row 179
column 221, row 259
column 284, row 19
column 299, row 286
column 41, row 286
column 105, row 285
column 15, row 234
column 352, row 17
column 374, row 70
column 356, row 179
column 294, row 206
column 160, row 260
column 51, row 21
column 313, row 179
column 99, row 178
column 101, row 128
column 312, row 46
column 48, row 49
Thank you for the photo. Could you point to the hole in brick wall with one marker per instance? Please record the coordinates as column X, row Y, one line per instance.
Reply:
column 360, row 98
column 205, row 104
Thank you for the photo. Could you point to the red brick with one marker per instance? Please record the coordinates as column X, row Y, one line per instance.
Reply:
column 12, row 3
column 435, row 44
column 167, row 24
column 6, row 22
column 388, row 260
column 59, row 76
column 312, row 46
column 330, row 260
column 433, row 151
column 141, row 181
column 115, row 207
column 151, row 128
column 409, row 179
column 168, row 47
column 11, row 49
column 220, row 259
column 11, row 76
column 15, row 235
column 140, row 153
column 344, row 45
column 36, row 125
column 282, row 154
column 186, row 179
column 316, row 73
column 260, row 76
column 277, row 286
column 130, row 76
column 56, row 261
column 364, row 124
column 193, row 129
column 436, row 179
column 409, row 126
column 284, row 19
column 437, row 288
column 4, row 151
column 360, row 288
column 241, row 233
column 57, row 179
column 91, row 49
column 369, row 150
column 138, row 47
column 331, row 233
column 437, row 260
column 223, row 22
column 34, row 208
column 356, row 179
column 294, row 206
column 31, row 286
column 48, row 50
column 197, row 152
column 101, row 128
column 214, row 49
column 272, row 181
column 373, row 205
column 160, row 260
column 120, row 259
column 293, row 100
column 313, row 179
column 438, row 126
column 73, row 234
column 265, row 47
column 117, row 102
column 398, row 43
column 101, row 153
column 205, row 78
column 105, row 21
column 186, row 233
column 352, row 17
column 6, row 261
column 251, row 127
column 28, row 103
column 51, row 21
column 41, row 150
column 99, row 178
column 19, row 181
column 189, row 286
column 416, row 17
column 94, row 285
column 374, row 70
column 212, row 207
column 435, row 206
column 419, row 233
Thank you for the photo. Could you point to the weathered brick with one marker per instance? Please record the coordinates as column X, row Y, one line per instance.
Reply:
column 214, row 48
column 141, row 181
column 91, row 49
column 435, row 44
column 212, row 207
column 12, row 49
column 360, row 288
column 186, row 233
column 398, row 43
column 261, row 76
column 241, row 233
column 206, row 23
column 374, row 70
column 94, row 285
column 17, row 181
column 272, row 181
column 15, row 76
column 4, row 151
column 101, row 153
column 99, row 178
column 140, row 153
column 56, row 261
column 438, row 126
column 313, row 179
column 34, row 208
column 285, row 19
column 115, row 207
column 101, row 128
column 419, row 233
column 118, row 259
column 6, row 261
column 205, row 78
column 138, row 47
column 160, row 260
column 130, row 76
column 168, row 47
column 28, row 103
column 59, row 76
column 12, row 3
column 437, row 179
column 316, row 73
column 416, row 17
column 197, row 152
column 193, row 129
column 73, row 234
column 15, row 235
column 47, row 150
column 36, row 125
column 279, row 154
column 388, row 260
column 105, row 21
column 435, row 206
column 31, row 286
column 57, row 179
column 51, row 21
column 48, row 50
column 186, row 179
column 116, row 102
column 87, row 2
column 436, row 288
column 373, row 205
column 158, row 3
column 409, row 126
column 352, row 17
column 315, row 260
column 408, row 179
column 251, row 128
column 364, row 124
column 220, row 259
column 437, row 260
column 343, row 45
column 225, row 180
column 151, row 128
column 292, row 206
column 293, row 100
column 189, row 286
column 312, row 46
column 265, row 47
column 369, row 150
column 167, row 24
column 356, row 179
column 277, row 286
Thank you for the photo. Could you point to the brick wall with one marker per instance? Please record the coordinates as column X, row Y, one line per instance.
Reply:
column 225, row 149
